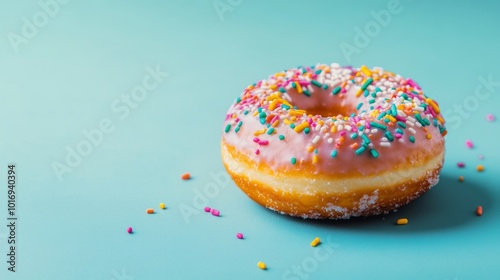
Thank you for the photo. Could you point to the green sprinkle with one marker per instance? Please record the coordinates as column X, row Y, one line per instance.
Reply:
column 366, row 93
column 262, row 121
column 426, row 121
column 307, row 130
column 270, row 131
column 292, row 126
column 389, row 136
column 374, row 153
column 294, row 85
column 325, row 86
column 367, row 83
column 238, row 100
column 294, row 160
column 365, row 138
column 336, row 90
column 360, row 150
column 245, row 112
column 371, row 101
column 306, row 92
column 262, row 115
column 381, row 115
column 282, row 137
column 377, row 89
column 402, row 124
column 386, row 120
column 317, row 72
column 412, row 139
column 378, row 125
column 228, row 127
column 240, row 123
column 334, row 153
column 359, row 105
column 354, row 136
column 419, row 119
column 285, row 106
column 316, row 83
column 237, row 129
column 316, row 151
column 405, row 96
column 398, row 130
column 282, row 90
column 394, row 111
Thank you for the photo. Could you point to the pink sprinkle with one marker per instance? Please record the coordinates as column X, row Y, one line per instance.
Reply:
column 480, row 157
column 469, row 144
column 256, row 140
column 207, row 209
column 461, row 164
column 239, row 235
column 397, row 135
column 343, row 90
column 490, row 117
column 215, row 212
column 257, row 151
column 263, row 142
column 129, row 230
column 342, row 133
column 412, row 83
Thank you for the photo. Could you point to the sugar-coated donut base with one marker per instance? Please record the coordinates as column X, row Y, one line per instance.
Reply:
column 320, row 197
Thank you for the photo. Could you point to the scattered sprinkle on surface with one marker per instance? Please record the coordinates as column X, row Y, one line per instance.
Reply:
column 479, row 210
column 186, row 176
column 261, row 265
column 162, row 205
column 469, row 144
column 461, row 178
column 402, row 221
column 239, row 235
column 215, row 212
column 490, row 117
column 315, row 242
column 480, row 168
column 150, row 211
column 129, row 230
column 461, row 164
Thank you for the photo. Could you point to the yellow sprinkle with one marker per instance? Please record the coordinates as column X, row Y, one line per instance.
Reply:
column 315, row 159
column 439, row 118
column 259, row 132
column 261, row 265
column 275, row 123
column 272, row 106
column 299, row 88
column 315, row 242
column 273, row 96
column 310, row 148
column 255, row 113
column 296, row 112
column 391, row 118
column 428, row 136
column 480, row 168
column 293, row 118
column 301, row 127
column 334, row 129
column 365, row 70
column 402, row 221
column 272, row 86
column 433, row 105
column 359, row 92
column 287, row 121
column 162, row 205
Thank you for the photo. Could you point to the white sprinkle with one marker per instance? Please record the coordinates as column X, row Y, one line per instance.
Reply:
column 316, row 139
column 401, row 140
column 330, row 140
column 401, row 114
column 340, row 127
column 373, row 131
column 326, row 135
column 411, row 119
column 410, row 123
column 418, row 108
column 418, row 124
column 348, row 128
column 413, row 130
column 384, row 139
column 385, row 144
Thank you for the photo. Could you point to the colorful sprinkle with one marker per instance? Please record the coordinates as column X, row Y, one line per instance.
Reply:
column 162, row 205
column 207, row 209
column 461, row 178
column 282, row 137
column 239, row 235
column 129, row 230
column 186, row 176
column 469, row 144
column 461, row 164
column 490, row 117
column 479, row 210
column 261, row 265
column 480, row 168
column 150, row 211
column 315, row 242
column 215, row 212
column 402, row 221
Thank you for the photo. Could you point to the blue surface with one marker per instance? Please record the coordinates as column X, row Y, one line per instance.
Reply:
column 70, row 76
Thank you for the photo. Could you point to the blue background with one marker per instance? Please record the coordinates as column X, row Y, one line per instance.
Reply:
column 64, row 79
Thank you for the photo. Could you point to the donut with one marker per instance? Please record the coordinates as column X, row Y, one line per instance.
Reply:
column 333, row 142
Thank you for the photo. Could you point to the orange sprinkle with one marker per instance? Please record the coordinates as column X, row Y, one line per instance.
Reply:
column 461, row 178
column 354, row 146
column 480, row 168
column 186, row 176
column 310, row 148
column 479, row 210
column 402, row 221
column 428, row 136
column 150, row 210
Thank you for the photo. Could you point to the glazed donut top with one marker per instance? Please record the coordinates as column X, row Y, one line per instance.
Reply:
column 332, row 119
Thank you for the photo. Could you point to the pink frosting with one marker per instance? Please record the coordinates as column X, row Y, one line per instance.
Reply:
column 263, row 131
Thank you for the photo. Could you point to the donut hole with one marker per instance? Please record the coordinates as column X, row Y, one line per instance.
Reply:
column 331, row 111
column 324, row 104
